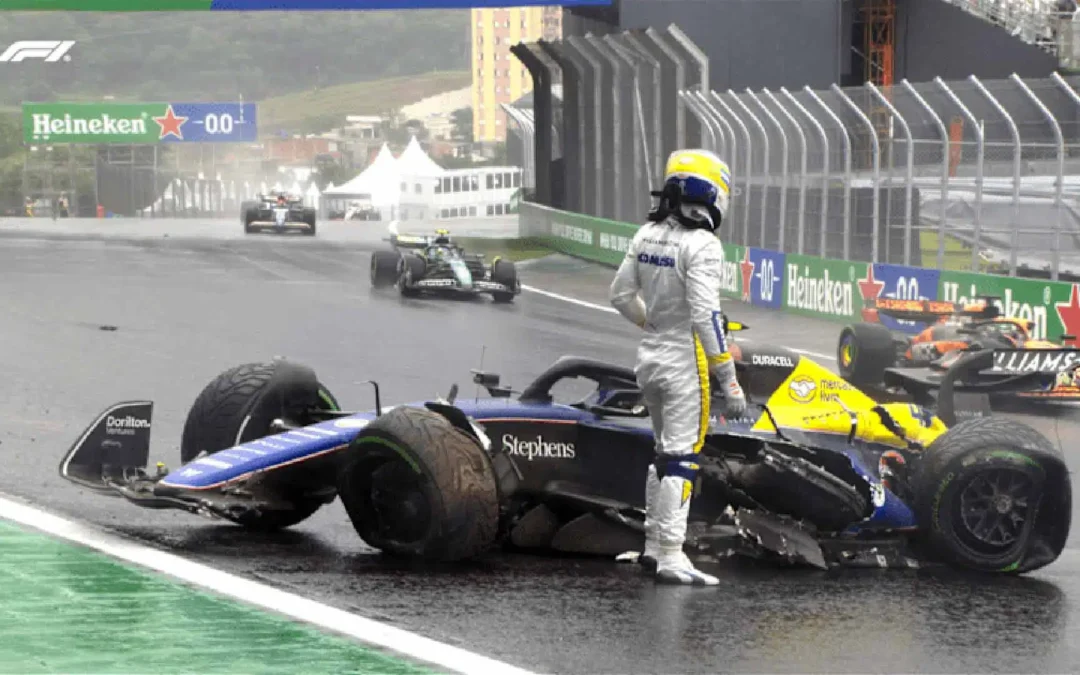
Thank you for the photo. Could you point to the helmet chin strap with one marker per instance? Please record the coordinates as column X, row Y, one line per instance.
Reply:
column 671, row 205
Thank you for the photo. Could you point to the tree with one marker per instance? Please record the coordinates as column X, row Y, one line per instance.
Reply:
column 462, row 121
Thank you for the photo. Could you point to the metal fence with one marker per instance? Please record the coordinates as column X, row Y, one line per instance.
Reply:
column 960, row 174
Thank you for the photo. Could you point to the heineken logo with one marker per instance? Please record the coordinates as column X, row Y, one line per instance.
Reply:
column 1023, row 361
column 105, row 122
column 46, row 126
column 821, row 294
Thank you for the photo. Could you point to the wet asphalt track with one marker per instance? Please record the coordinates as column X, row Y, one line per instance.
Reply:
column 186, row 308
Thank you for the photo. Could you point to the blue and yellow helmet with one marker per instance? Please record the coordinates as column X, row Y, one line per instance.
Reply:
column 703, row 181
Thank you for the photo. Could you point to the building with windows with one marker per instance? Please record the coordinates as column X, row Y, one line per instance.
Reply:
column 497, row 75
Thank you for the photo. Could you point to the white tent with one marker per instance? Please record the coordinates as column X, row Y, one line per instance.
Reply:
column 381, row 180
column 415, row 162
column 311, row 198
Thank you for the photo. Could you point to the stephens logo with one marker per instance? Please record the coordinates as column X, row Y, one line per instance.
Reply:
column 537, row 449
column 125, row 426
column 802, row 389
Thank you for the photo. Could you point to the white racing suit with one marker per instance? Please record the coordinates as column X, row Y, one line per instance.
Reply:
column 669, row 284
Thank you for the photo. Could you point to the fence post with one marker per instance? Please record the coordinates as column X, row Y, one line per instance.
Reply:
column 1017, row 155
column 847, row 171
column 717, row 122
column 783, row 167
column 980, row 151
column 699, row 113
column 729, row 136
column 801, row 231
column 824, row 164
column 597, row 180
column 909, row 171
column 1055, row 256
column 615, row 176
column 749, row 163
column 876, row 198
column 765, row 176
column 541, row 75
column 573, row 72
column 680, row 83
column 528, row 134
column 657, row 145
column 695, row 52
column 636, row 135
column 944, row 167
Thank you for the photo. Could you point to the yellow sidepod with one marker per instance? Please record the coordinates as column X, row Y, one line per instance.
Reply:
column 814, row 399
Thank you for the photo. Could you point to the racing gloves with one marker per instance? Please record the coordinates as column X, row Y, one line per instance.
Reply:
column 728, row 387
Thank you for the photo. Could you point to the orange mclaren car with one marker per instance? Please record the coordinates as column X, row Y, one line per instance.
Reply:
column 869, row 352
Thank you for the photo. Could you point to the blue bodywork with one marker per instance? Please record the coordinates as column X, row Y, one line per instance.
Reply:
column 223, row 467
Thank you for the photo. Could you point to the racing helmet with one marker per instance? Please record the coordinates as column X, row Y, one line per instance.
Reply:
column 703, row 183
column 442, row 236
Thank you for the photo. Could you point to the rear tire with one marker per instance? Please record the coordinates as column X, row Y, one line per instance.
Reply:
column 864, row 352
column 993, row 495
column 239, row 405
column 309, row 218
column 416, row 486
column 504, row 272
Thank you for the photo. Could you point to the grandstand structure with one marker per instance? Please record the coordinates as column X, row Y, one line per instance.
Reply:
column 1044, row 23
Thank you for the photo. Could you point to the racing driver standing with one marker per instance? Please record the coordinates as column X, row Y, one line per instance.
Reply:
column 669, row 285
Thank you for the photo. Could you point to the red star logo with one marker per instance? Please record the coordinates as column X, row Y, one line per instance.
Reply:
column 747, row 268
column 170, row 124
column 1069, row 313
column 870, row 288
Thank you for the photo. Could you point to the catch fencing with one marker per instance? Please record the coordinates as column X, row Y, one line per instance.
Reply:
column 960, row 175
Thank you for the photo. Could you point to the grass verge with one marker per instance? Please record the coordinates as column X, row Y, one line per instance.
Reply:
column 310, row 108
column 509, row 249
column 957, row 255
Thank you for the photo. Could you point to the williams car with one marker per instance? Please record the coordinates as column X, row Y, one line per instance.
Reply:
column 278, row 213
column 817, row 473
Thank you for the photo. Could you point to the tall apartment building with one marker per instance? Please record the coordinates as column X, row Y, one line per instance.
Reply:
column 497, row 75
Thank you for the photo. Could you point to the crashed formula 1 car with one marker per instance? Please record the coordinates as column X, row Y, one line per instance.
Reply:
column 279, row 213
column 817, row 473
column 875, row 358
column 434, row 264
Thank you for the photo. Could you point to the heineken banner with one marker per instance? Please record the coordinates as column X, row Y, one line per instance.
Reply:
column 138, row 123
column 829, row 289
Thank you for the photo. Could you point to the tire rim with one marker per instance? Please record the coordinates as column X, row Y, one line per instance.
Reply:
column 401, row 510
column 994, row 507
column 847, row 352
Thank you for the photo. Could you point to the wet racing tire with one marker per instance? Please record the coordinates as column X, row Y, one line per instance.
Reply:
column 309, row 218
column 993, row 495
column 384, row 268
column 504, row 272
column 864, row 352
column 411, row 268
column 416, row 486
column 239, row 405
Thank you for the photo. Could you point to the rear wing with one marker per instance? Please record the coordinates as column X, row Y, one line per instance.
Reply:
column 932, row 311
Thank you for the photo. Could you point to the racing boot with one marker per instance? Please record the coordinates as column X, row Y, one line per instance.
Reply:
column 652, row 538
column 672, row 512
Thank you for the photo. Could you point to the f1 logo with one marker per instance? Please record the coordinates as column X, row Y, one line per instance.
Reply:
column 50, row 51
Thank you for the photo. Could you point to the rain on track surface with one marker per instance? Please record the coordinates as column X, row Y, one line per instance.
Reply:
column 186, row 308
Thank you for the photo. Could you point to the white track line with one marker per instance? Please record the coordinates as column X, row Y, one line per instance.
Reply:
column 371, row 632
column 612, row 310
